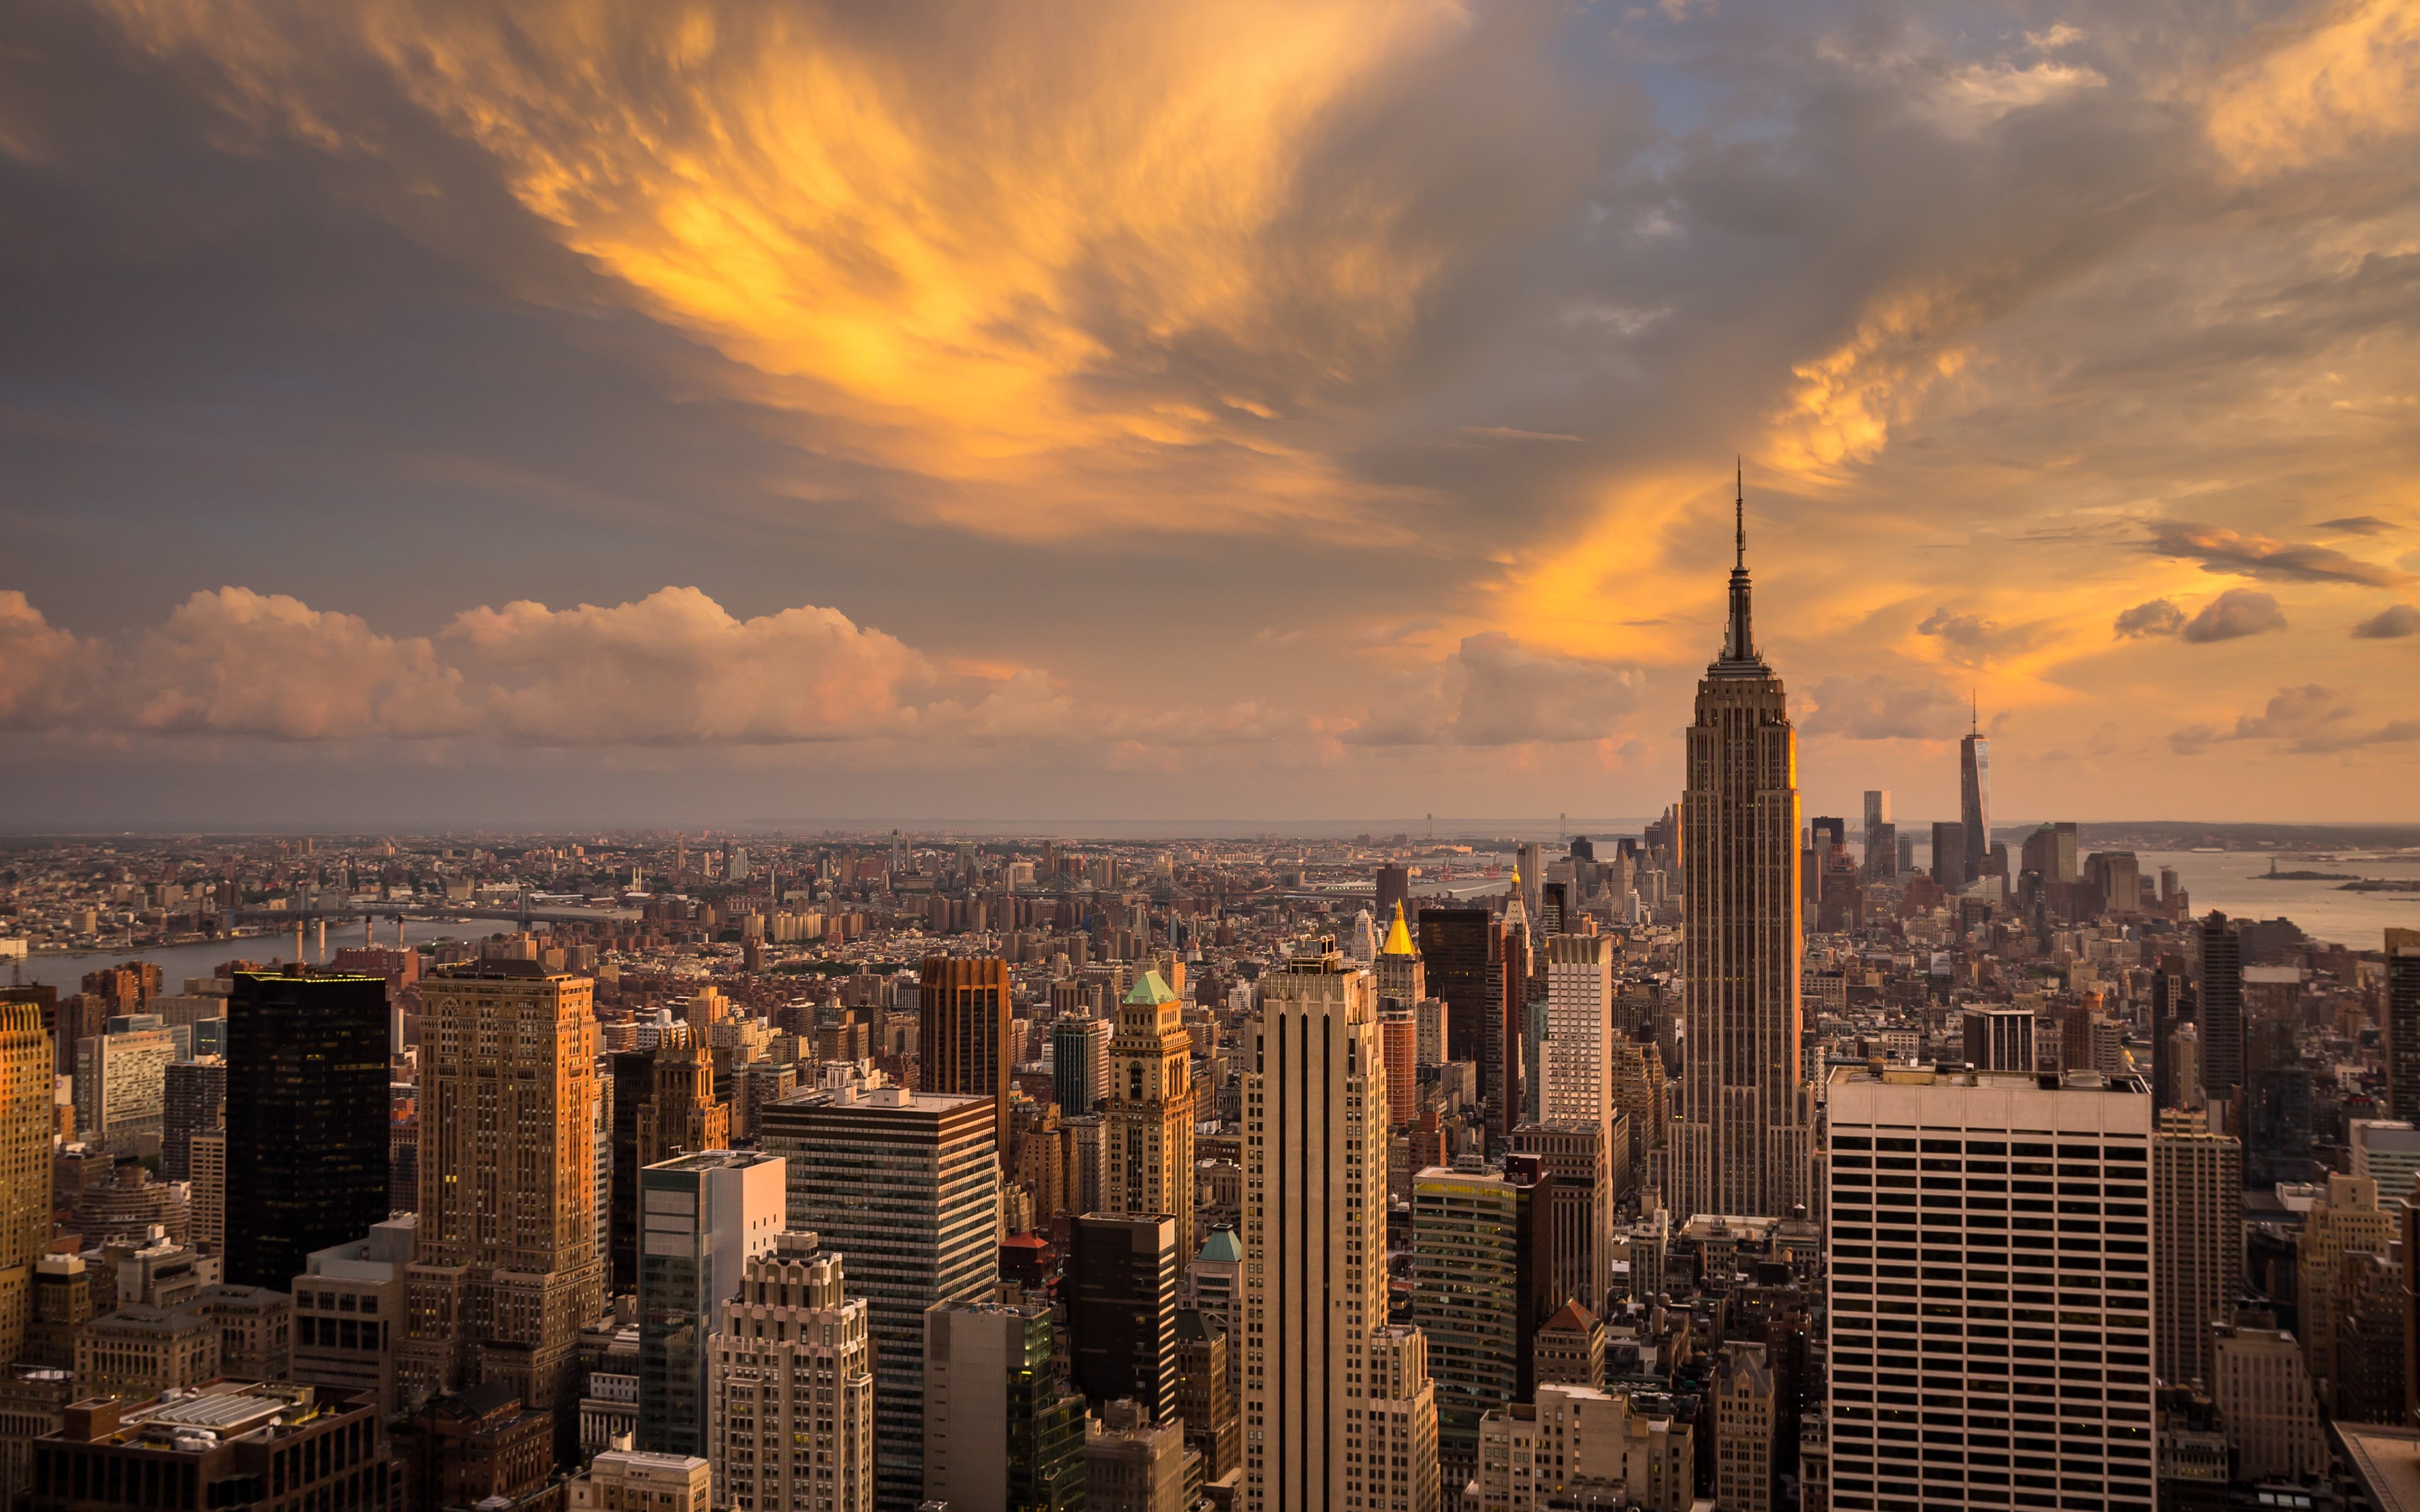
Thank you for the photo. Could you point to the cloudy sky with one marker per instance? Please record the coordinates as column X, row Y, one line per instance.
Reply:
column 1319, row 409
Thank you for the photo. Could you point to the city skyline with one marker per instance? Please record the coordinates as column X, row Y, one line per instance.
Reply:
column 410, row 435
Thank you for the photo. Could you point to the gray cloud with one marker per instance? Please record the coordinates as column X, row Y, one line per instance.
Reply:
column 1880, row 706
column 2393, row 623
column 1491, row 690
column 2157, row 617
column 2219, row 549
column 2234, row 614
column 2311, row 719
column 2358, row 525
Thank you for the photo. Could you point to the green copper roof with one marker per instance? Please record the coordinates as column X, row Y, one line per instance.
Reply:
column 1150, row 990
column 1221, row 1246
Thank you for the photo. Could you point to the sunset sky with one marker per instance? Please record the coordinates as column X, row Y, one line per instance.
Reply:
column 1311, row 411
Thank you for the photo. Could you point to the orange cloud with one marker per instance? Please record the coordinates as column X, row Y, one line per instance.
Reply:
column 2342, row 80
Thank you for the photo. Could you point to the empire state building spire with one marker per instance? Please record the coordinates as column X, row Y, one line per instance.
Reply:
column 1739, row 643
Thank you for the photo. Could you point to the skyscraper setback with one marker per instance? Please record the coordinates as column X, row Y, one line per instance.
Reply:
column 1742, row 1143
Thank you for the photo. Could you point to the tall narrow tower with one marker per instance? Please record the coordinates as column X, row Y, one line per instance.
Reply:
column 1331, row 1391
column 1742, row 1142
column 26, row 1120
column 1147, row 1131
column 1974, row 794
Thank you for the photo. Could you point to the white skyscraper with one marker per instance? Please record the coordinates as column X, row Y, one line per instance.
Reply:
column 1576, row 1061
column 1992, row 1282
column 1339, row 1410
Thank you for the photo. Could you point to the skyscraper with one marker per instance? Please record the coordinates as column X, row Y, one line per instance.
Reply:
column 193, row 1101
column 505, row 1269
column 2034, row 1430
column 1458, row 952
column 1119, row 1295
column 1001, row 1436
column 27, row 1118
column 1331, row 1392
column 793, row 1387
column 2221, row 1015
column 1500, row 1077
column 2196, row 1242
column 1147, row 1124
column 1881, row 836
column 707, row 1215
column 1080, row 1063
column 306, row 1119
column 1741, row 1144
column 1975, row 796
column 904, row 1186
column 1400, row 981
column 681, row 1115
column 2403, row 1025
column 1576, row 1061
column 1949, row 855
column 962, row 1013
column 1482, row 1274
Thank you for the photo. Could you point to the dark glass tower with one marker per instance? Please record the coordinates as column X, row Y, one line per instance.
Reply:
column 1120, row 1292
column 2222, row 1013
column 1457, row 958
column 306, row 1120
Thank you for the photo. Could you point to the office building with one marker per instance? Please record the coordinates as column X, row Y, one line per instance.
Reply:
column 142, row 1351
column 1205, row 1398
column 1581, row 1161
column 1570, row 1349
column 1001, row 1435
column 1394, row 891
column 1949, row 855
column 962, row 1018
column 1080, row 1063
column 1742, row 1143
column 681, row 1114
column 2050, row 853
column 27, row 1115
column 2033, row 1230
column 505, row 1269
column 2402, row 1046
column 905, row 1187
column 1147, row 1121
column 1398, row 1047
column 205, row 1157
column 218, row 1446
column 483, row 1446
column 1576, row 1446
column 193, row 1102
column 2265, row 1401
column 636, row 1480
column 1483, row 1272
column 2221, row 1016
column 348, row 1313
column 1504, row 1047
column 1576, row 1061
column 1332, row 1393
column 1459, row 966
column 121, row 1083
column 2196, row 1242
column 1119, row 1290
column 2000, row 1038
column 1882, row 836
column 1133, row 1464
column 2345, row 1220
column 1430, row 1032
column 703, row 1218
column 2387, row 1150
column 1748, row 1467
column 306, row 1119
column 793, row 1386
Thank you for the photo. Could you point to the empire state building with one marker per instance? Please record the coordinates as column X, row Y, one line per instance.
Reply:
column 1742, row 1142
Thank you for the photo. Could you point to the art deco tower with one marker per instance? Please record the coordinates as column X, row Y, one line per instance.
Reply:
column 1741, row 1143
column 1147, row 1131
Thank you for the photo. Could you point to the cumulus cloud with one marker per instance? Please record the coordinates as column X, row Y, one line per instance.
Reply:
column 2311, row 719
column 2219, row 549
column 674, row 668
column 2156, row 617
column 2233, row 614
column 1491, row 690
column 2393, row 623
column 1879, row 706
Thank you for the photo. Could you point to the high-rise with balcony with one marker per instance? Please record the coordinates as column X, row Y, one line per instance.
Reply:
column 1743, row 1143
column 1147, row 1121
column 1339, row 1410
column 505, row 1269
column 1991, row 1290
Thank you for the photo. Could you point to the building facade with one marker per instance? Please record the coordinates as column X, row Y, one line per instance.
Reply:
column 306, row 1119
column 2196, row 1242
column 792, row 1425
column 1147, row 1120
column 703, row 1218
